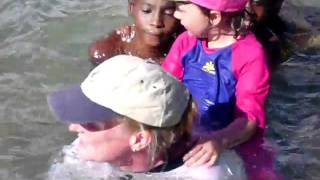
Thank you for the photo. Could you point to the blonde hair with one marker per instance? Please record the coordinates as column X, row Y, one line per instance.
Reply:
column 163, row 138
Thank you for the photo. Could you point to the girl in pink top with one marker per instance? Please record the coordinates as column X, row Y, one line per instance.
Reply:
column 224, row 67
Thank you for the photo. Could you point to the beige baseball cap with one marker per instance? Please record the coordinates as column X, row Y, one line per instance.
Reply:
column 126, row 85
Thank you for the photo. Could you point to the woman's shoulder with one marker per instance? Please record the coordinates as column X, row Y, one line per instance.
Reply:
column 229, row 166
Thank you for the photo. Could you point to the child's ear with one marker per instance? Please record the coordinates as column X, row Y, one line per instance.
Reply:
column 140, row 140
column 215, row 17
column 130, row 6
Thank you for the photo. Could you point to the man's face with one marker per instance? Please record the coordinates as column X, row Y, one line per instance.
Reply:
column 154, row 20
column 192, row 18
column 103, row 142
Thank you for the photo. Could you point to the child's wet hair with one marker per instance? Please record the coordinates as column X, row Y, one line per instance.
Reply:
column 240, row 22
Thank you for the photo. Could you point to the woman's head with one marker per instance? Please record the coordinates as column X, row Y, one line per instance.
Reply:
column 116, row 141
column 161, row 139
column 123, row 107
column 200, row 17
column 154, row 20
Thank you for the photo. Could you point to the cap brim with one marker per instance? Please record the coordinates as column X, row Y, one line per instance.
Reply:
column 70, row 105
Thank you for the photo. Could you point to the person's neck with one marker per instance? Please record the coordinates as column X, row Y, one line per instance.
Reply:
column 140, row 162
column 220, row 38
column 143, row 50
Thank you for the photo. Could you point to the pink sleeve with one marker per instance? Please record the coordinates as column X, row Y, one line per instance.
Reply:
column 252, row 86
column 173, row 61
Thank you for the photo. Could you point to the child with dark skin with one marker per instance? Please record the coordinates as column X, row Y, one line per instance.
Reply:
column 151, row 37
column 130, row 39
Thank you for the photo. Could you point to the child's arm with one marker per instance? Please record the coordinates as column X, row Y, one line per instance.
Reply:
column 104, row 48
column 209, row 147
column 251, row 91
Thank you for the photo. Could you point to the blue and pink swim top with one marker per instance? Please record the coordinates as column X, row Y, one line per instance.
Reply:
column 226, row 83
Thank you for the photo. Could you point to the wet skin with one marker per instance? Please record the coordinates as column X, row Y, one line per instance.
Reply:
column 154, row 21
column 197, row 24
column 111, row 142
column 103, row 142
column 154, row 33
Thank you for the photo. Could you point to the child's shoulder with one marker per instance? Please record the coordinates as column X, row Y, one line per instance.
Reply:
column 248, row 51
column 249, row 41
column 186, row 36
column 185, row 41
column 105, row 47
column 249, row 46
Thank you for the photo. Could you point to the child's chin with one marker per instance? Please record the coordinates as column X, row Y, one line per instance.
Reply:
column 198, row 35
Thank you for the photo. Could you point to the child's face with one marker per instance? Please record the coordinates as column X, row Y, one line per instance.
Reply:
column 154, row 20
column 193, row 19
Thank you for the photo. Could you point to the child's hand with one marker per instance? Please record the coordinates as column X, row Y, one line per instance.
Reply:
column 206, row 153
column 126, row 33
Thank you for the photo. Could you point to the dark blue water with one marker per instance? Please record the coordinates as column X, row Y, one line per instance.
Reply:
column 294, row 115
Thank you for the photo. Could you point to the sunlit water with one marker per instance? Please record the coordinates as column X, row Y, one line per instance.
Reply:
column 43, row 46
